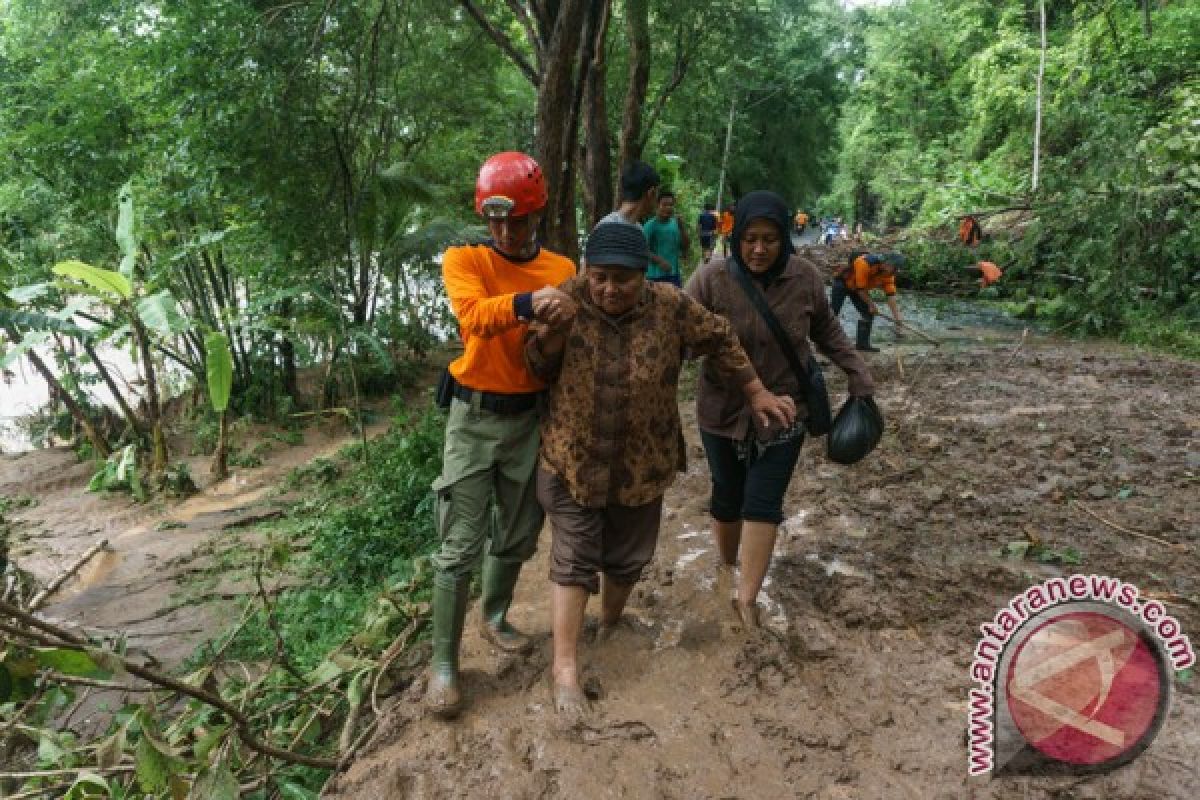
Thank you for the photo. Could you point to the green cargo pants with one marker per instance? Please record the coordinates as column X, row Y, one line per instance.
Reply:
column 487, row 489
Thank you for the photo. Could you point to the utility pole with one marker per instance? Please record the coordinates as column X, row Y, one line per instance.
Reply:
column 725, row 155
column 1037, row 124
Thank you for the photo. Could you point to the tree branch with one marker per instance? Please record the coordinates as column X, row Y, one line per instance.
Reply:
column 60, row 637
column 502, row 41
column 527, row 22
column 683, row 57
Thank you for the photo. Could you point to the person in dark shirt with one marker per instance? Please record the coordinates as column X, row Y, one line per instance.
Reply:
column 706, row 226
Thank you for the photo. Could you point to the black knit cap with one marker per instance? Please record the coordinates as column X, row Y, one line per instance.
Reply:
column 615, row 244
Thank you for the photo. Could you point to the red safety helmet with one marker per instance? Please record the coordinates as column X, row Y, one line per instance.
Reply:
column 509, row 184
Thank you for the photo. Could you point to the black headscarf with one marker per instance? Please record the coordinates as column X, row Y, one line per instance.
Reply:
column 769, row 206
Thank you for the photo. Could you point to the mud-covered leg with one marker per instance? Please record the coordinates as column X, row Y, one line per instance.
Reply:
column 569, row 603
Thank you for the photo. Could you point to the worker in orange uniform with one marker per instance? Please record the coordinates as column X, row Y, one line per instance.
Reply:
column 862, row 273
column 970, row 232
column 725, row 229
column 989, row 273
column 486, row 495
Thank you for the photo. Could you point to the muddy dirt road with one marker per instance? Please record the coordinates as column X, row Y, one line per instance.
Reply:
column 882, row 576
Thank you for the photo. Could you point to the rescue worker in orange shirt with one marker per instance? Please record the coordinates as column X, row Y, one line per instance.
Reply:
column 486, row 497
column 864, row 272
column 725, row 229
column 989, row 273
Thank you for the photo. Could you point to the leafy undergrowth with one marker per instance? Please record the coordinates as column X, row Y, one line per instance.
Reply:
column 270, row 706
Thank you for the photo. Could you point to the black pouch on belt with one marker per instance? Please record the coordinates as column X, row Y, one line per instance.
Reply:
column 445, row 389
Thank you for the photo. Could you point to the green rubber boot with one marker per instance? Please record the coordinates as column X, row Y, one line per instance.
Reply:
column 499, row 579
column 450, row 597
column 863, row 342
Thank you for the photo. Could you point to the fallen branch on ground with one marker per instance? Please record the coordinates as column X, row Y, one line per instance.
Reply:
column 1117, row 527
column 902, row 324
column 54, row 636
column 58, row 773
column 1017, row 349
column 40, row 598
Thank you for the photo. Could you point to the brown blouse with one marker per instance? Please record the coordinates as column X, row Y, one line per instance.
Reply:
column 797, row 297
column 612, row 432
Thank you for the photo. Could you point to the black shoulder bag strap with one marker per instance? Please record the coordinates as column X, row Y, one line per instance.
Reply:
column 812, row 382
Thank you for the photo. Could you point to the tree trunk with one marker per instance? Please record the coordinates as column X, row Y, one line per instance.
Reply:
column 555, row 152
column 130, row 417
column 1037, row 123
column 220, row 462
column 598, row 196
column 153, row 408
column 637, row 18
column 77, row 413
column 287, row 353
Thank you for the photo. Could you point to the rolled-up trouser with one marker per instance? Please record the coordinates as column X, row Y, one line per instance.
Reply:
column 616, row 540
column 837, row 296
column 487, row 491
column 750, row 488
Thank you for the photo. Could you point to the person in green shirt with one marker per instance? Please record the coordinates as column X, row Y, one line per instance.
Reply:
column 667, row 239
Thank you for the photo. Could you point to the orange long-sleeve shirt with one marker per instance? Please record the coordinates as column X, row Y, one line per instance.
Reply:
column 866, row 276
column 725, row 225
column 482, row 286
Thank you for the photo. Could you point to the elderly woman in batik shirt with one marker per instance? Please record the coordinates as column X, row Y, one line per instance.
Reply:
column 611, row 440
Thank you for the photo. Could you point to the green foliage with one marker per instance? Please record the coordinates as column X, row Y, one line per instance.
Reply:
column 119, row 472
column 219, row 368
column 940, row 123
column 103, row 282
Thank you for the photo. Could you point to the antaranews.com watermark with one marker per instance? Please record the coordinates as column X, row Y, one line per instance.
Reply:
column 1075, row 672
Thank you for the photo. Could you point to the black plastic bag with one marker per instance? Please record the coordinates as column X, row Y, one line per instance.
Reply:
column 856, row 431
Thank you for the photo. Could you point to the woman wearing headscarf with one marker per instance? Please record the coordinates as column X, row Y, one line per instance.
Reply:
column 611, row 437
column 751, row 465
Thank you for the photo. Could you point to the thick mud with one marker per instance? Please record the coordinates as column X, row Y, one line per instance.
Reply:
column 883, row 573
column 881, row 578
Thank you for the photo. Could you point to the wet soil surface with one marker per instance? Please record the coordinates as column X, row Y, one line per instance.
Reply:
column 172, row 570
column 882, row 575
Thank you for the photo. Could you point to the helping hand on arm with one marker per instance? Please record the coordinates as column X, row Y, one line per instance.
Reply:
column 768, row 407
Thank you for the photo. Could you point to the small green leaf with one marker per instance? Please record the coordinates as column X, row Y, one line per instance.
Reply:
column 1125, row 493
column 1016, row 549
column 104, row 281
column 50, row 753
column 215, row 783
column 153, row 768
column 294, row 791
column 354, row 693
column 69, row 662
column 160, row 313
column 1185, row 676
column 27, row 294
column 87, row 786
column 205, row 744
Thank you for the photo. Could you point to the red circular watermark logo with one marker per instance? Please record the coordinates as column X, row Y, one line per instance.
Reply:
column 1087, row 689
